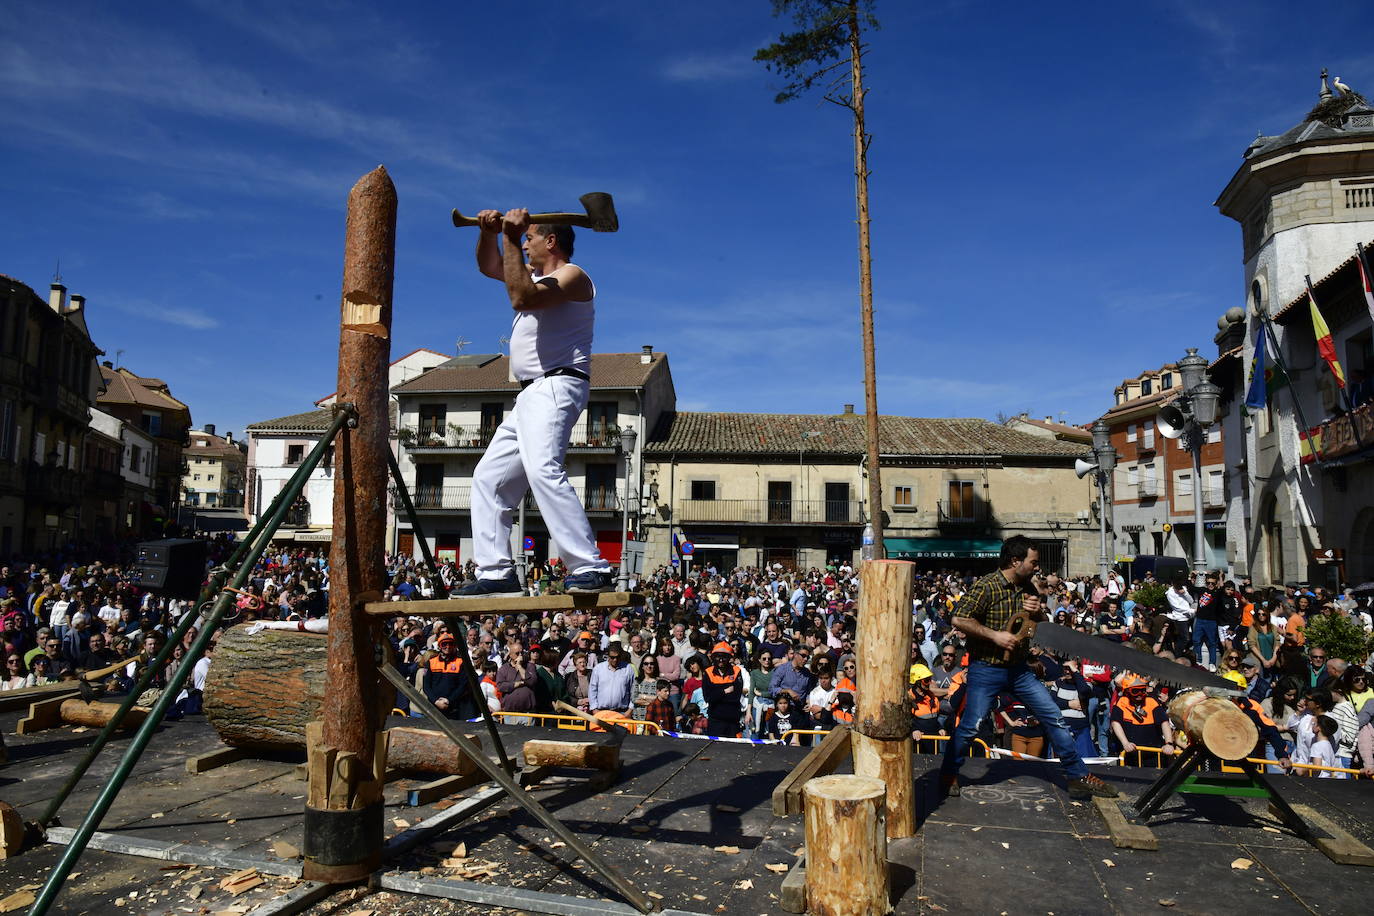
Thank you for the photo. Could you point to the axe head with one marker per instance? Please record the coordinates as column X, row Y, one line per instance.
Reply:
column 600, row 211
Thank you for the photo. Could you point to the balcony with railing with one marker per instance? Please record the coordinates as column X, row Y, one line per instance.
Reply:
column 1148, row 489
column 772, row 511
column 957, row 513
column 1213, row 497
column 459, row 499
column 454, row 439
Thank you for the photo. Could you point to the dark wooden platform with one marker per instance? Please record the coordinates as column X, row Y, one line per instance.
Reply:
column 1013, row 842
column 512, row 604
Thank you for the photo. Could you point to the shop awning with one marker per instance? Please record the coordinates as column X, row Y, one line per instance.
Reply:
column 942, row 548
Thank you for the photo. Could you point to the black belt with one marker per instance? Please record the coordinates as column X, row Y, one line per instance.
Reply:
column 561, row 370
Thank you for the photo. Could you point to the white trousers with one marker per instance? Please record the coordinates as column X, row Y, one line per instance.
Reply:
column 527, row 453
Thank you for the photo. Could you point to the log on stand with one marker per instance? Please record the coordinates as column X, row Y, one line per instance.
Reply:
column 1214, row 723
column 882, row 721
column 593, row 755
column 846, row 846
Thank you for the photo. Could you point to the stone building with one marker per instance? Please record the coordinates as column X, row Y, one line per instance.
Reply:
column 1152, row 486
column 1303, row 199
column 47, row 384
column 216, row 468
column 148, row 404
column 790, row 489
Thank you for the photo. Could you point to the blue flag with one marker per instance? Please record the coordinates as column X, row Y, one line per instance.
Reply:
column 676, row 548
column 1256, row 398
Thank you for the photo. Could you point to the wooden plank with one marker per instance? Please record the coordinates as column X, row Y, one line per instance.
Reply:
column 519, row 604
column 11, row 700
column 792, row 897
column 203, row 763
column 1340, row 847
column 42, row 715
column 822, row 761
column 1125, row 835
column 442, row 788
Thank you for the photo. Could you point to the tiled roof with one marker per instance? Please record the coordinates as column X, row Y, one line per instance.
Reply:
column 215, row 446
column 1059, row 429
column 124, row 387
column 754, row 433
column 609, row 370
column 1158, row 399
column 1335, row 118
column 311, row 421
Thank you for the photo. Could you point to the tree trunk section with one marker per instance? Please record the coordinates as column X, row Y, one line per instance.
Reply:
column 882, row 721
column 541, row 752
column 1215, row 723
column 98, row 714
column 263, row 689
column 422, row 750
column 846, row 846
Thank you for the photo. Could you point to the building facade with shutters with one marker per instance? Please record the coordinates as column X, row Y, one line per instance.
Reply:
column 448, row 415
column 148, row 404
column 791, row 489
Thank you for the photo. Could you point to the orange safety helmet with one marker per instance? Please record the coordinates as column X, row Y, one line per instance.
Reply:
column 723, row 648
column 1133, row 682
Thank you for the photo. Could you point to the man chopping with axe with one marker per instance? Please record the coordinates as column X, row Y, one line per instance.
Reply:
column 998, row 664
column 551, row 357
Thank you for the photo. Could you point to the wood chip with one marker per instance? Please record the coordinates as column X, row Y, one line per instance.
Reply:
column 1109, row 863
column 1168, row 901
column 698, row 897
column 1241, row 864
column 1006, row 846
column 284, row 850
column 1272, row 829
column 654, row 895
column 745, row 885
column 195, row 892
column 401, row 823
column 156, row 815
column 728, row 850
column 778, row 868
column 232, row 821
column 17, row 901
column 729, row 809
column 363, row 913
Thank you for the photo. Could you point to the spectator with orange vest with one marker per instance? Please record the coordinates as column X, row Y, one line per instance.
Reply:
column 1139, row 719
column 722, row 687
column 925, row 706
column 446, row 683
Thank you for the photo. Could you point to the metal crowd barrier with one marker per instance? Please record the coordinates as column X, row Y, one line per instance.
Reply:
column 1258, row 761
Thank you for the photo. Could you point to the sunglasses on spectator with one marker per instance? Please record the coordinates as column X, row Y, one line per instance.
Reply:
column 1316, row 657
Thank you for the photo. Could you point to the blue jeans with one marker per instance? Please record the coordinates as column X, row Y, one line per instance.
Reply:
column 1099, row 719
column 985, row 682
column 1206, row 631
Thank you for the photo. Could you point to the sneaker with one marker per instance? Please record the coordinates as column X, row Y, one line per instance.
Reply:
column 1090, row 785
column 949, row 786
column 505, row 587
column 591, row 582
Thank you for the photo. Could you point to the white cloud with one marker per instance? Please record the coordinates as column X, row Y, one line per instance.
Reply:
column 710, row 68
column 181, row 316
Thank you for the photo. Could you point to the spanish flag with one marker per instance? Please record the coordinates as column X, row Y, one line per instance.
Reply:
column 1325, row 344
column 1309, row 445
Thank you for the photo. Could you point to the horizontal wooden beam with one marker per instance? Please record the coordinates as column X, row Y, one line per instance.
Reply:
column 519, row 604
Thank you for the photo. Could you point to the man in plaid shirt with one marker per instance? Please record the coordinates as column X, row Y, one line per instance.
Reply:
column 998, row 664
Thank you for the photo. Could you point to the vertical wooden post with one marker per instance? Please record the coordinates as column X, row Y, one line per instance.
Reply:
column 347, row 750
column 846, row 847
column 882, row 719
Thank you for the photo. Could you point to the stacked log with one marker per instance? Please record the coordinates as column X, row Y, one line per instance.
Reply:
column 1215, row 723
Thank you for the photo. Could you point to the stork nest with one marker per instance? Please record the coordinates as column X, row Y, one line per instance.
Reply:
column 1331, row 112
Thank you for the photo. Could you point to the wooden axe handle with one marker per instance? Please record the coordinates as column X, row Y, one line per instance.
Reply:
column 109, row 669
column 536, row 219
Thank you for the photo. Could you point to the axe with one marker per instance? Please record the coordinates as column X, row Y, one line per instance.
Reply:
column 600, row 215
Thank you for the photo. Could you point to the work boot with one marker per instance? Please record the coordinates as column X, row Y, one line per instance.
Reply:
column 1089, row 786
column 949, row 786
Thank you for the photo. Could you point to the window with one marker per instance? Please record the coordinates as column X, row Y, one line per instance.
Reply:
column 432, row 419
column 779, row 500
column 601, row 420
column 198, row 461
column 1147, row 431
column 7, row 436
column 152, row 423
column 1147, row 386
column 961, row 502
column 135, row 456
column 195, row 477
column 1166, row 381
column 703, row 489
column 1133, row 475
column 492, row 415
column 1130, row 433
column 903, row 497
column 1214, row 433
column 209, row 476
column 295, row 454
column 837, row 502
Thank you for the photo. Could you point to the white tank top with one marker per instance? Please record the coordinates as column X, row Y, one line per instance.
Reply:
column 552, row 338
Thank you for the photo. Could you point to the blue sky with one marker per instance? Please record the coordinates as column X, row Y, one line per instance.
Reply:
column 1043, row 179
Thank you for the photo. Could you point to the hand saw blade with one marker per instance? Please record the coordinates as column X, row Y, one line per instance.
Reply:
column 1064, row 641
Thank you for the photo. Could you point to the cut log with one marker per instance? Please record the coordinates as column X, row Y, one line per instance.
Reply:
column 541, row 752
column 422, row 750
column 11, row 831
column 98, row 714
column 882, row 722
column 263, row 689
column 846, row 846
column 1215, row 723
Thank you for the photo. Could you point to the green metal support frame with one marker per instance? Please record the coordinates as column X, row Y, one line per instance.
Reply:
column 248, row 556
column 474, row 685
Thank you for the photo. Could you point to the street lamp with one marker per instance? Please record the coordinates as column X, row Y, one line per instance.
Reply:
column 1198, row 410
column 1106, row 463
column 627, row 450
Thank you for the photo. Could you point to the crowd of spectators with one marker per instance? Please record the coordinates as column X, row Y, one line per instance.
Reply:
column 765, row 653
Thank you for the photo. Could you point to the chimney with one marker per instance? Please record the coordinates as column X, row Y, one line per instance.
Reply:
column 107, row 364
column 849, row 408
column 209, row 429
column 77, row 303
column 229, row 437
column 57, row 297
column 646, row 354
column 1049, row 419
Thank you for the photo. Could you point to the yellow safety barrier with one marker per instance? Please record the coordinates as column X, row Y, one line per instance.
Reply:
column 1258, row 761
column 802, row 731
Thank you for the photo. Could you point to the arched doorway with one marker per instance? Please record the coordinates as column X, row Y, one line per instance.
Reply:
column 1271, row 541
column 1360, row 556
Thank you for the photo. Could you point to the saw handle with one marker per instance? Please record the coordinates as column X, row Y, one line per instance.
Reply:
column 1022, row 626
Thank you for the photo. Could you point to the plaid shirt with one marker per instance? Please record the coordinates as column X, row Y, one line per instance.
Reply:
column 660, row 712
column 992, row 601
